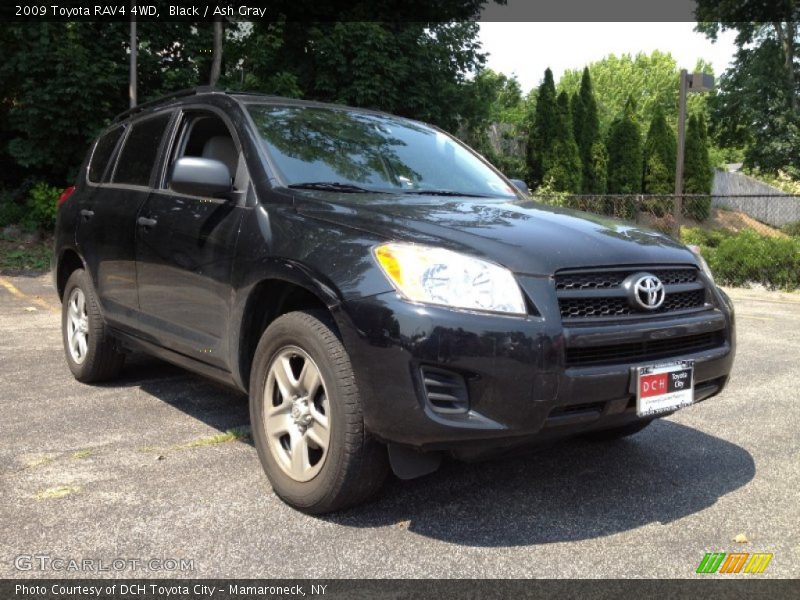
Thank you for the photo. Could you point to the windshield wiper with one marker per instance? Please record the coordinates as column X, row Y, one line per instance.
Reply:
column 330, row 186
column 443, row 193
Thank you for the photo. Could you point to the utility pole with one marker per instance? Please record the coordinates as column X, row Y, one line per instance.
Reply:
column 677, row 205
column 697, row 82
column 216, row 54
column 134, row 48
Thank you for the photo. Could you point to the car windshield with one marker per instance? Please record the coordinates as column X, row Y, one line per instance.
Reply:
column 354, row 152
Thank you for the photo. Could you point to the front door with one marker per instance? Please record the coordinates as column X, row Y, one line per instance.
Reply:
column 185, row 246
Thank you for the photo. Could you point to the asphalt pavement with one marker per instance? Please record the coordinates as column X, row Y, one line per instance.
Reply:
column 140, row 471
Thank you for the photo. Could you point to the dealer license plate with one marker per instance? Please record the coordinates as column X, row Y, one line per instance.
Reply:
column 664, row 388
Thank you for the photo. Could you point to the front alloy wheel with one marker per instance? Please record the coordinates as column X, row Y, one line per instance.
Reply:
column 297, row 415
column 305, row 411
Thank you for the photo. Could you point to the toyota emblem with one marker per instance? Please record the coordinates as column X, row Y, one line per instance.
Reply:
column 645, row 291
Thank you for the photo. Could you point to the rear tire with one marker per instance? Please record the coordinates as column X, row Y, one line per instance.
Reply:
column 306, row 417
column 616, row 433
column 91, row 353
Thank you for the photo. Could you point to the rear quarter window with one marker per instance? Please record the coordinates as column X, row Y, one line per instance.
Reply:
column 102, row 154
column 139, row 154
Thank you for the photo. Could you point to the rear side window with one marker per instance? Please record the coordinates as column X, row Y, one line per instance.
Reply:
column 140, row 151
column 102, row 154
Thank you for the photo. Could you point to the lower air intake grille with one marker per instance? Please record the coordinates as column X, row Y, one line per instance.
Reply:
column 445, row 391
column 647, row 350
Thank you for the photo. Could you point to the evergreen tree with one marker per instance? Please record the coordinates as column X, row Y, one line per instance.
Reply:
column 659, row 156
column 562, row 162
column 578, row 111
column 625, row 153
column 697, row 172
column 625, row 159
column 544, row 129
column 586, row 128
column 598, row 184
column 698, row 176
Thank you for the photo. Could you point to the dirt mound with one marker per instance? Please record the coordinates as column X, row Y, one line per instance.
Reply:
column 733, row 220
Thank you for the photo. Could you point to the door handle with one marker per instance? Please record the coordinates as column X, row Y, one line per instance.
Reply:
column 87, row 214
column 145, row 222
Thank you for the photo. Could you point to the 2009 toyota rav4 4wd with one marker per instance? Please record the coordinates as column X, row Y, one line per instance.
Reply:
column 381, row 292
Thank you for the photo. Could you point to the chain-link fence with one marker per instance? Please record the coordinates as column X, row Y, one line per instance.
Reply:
column 737, row 234
column 765, row 213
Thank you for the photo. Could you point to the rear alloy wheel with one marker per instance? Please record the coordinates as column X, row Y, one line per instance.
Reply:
column 306, row 417
column 77, row 326
column 91, row 353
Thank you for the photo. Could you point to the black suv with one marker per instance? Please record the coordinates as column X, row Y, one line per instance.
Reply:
column 381, row 292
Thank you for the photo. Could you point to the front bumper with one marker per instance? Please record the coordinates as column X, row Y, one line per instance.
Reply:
column 520, row 385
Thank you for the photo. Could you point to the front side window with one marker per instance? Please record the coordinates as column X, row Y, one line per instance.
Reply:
column 370, row 151
column 205, row 135
column 102, row 154
column 139, row 154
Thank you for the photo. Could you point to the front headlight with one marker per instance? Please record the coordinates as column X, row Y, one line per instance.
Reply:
column 703, row 264
column 437, row 276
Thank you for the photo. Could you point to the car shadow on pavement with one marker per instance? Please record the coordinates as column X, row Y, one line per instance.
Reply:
column 207, row 401
column 567, row 491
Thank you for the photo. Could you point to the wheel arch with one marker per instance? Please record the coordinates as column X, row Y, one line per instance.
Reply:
column 265, row 300
column 69, row 261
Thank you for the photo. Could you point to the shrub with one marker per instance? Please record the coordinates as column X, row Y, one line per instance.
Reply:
column 11, row 213
column 792, row 228
column 42, row 207
column 748, row 257
column 698, row 209
column 706, row 239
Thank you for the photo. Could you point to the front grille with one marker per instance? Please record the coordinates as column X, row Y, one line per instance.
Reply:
column 599, row 294
column 646, row 350
column 575, row 308
column 610, row 279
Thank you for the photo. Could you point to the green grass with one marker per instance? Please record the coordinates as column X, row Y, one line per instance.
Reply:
column 16, row 256
column 238, row 434
column 60, row 491
column 39, row 462
column 81, row 454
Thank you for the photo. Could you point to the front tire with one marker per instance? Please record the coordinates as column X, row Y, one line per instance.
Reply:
column 91, row 353
column 306, row 418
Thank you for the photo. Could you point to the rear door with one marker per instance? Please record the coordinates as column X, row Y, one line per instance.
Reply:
column 185, row 247
column 106, row 233
column 98, row 175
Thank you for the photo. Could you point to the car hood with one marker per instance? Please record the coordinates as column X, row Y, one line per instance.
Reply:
column 525, row 236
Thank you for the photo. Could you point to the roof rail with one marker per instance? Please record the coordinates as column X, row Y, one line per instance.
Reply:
column 203, row 89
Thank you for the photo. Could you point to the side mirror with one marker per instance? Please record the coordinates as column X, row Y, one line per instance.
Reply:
column 521, row 186
column 200, row 177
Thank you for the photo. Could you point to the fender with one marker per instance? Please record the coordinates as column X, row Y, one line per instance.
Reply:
column 278, row 271
column 58, row 263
